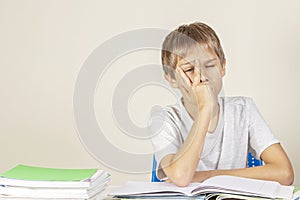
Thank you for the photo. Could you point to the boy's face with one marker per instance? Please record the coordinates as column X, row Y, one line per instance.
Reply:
column 208, row 64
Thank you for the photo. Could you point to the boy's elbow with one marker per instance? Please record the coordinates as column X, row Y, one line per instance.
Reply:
column 287, row 177
column 180, row 178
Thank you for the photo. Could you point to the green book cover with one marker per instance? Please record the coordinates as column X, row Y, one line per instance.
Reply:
column 25, row 172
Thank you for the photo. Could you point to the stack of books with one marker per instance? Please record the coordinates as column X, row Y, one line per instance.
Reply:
column 52, row 183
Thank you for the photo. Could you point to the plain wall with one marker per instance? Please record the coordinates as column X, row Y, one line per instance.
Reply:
column 45, row 43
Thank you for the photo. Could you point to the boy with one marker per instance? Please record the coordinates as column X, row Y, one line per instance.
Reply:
column 206, row 135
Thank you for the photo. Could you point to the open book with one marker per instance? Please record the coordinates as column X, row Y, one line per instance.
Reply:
column 217, row 184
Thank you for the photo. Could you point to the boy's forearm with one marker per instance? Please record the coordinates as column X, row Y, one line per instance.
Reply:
column 266, row 172
column 277, row 167
column 183, row 165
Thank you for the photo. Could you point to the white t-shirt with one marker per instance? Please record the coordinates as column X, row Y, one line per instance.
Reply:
column 241, row 129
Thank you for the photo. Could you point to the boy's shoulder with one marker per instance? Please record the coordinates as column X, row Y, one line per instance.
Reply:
column 238, row 100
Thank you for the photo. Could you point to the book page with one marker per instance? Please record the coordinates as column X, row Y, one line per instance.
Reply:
column 261, row 187
column 151, row 188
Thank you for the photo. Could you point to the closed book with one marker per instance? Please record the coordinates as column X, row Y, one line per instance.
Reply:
column 32, row 176
column 74, row 193
column 38, row 183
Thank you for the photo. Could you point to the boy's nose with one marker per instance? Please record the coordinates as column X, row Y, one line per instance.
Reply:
column 203, row 77
column 200, row 69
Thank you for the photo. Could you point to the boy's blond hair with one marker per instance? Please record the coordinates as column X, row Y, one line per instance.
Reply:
column 180, row 41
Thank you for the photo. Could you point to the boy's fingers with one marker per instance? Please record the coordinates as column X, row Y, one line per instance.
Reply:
column 183, row 88
column 186, row 80
column 184, row 91
column 197, row 76
column 182, row 84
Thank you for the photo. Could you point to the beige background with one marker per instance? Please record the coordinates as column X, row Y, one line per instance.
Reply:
column 44, row 43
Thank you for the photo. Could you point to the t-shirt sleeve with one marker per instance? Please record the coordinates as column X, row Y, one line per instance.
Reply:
column 164, row 136
column 260, row 135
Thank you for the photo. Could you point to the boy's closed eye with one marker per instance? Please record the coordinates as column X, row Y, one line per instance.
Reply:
column 211, row 65
column 188, row 70
column 188, row 67
column 192, row 68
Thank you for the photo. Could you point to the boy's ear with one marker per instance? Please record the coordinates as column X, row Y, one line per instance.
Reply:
column 171, row 80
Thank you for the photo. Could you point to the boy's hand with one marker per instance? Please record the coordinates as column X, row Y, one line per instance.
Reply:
column 196, row 92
